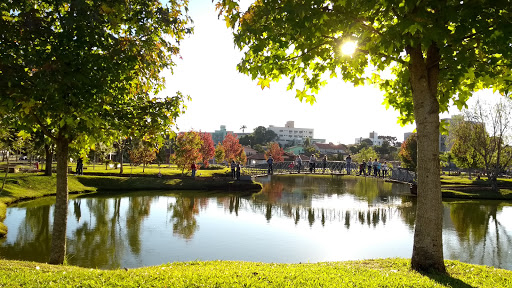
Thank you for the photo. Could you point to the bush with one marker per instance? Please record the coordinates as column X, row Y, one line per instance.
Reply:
column 213, row 167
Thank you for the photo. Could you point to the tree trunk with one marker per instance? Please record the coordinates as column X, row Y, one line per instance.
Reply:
column 427, row 251
column 60, row 216
column 121, row 148
column 48, row 150
column 6, row 173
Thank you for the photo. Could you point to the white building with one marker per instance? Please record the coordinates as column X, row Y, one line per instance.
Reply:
column 374, row 137
column 291, row 135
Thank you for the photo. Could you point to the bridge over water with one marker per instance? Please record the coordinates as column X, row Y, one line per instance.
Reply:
column 331, row 167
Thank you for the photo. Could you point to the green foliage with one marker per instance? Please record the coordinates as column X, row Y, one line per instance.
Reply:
column 303, row 42
column 409, row 153
column 481, row 138
column 260, row 148
column 309, row 148
column 89, row 68
column 260, row 136
column 385, row 151
column 365, row 154
column 220, row 153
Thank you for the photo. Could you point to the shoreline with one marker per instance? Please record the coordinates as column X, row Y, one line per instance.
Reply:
column 29, row 187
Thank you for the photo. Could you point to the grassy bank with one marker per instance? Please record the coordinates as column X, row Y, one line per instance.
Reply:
column 465, row 188
column 369, row 273
column 112, row 183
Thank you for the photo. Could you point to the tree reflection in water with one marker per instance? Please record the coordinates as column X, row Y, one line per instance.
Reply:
column 479, row 231
column 106, row 231
column 184, row 223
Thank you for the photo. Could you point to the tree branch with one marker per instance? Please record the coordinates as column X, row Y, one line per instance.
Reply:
column 43, row 127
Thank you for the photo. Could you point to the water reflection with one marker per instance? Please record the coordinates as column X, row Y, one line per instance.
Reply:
column 184, row 223
column 305, row 218
column 480, row 229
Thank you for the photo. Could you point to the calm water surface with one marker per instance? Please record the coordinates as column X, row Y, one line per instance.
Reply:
column 293, row 219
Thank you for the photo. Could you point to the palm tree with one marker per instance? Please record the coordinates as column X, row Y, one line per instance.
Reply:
column 243, row 128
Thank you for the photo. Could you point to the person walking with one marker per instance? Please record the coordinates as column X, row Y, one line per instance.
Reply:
column 270, row 162
column 369, row 165
column 194, row 168
column 312, row 163
column 348, row 161
column 379, row 166
column 324, row 164
column 298, row 162
column 233, row 169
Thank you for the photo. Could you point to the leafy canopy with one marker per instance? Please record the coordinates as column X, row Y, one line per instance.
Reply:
column 301, row 40
column 80, row 68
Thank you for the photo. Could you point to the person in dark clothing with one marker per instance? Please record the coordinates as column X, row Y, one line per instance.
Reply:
column 194, row 169
column 270, row 162
column 233, row 167
column 80, row 166
column 362, row 167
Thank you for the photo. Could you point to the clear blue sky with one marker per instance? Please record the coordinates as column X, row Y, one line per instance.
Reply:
column 222, row 96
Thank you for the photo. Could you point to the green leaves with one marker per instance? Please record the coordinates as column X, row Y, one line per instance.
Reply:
column 90, row 66
column 299, row 41
column 264, row 83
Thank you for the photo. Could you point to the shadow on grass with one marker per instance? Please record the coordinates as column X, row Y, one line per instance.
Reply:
column 446, row 280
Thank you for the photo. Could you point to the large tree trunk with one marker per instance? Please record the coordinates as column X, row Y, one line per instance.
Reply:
column 60, row 215
column 427, row 252
column 48, row 149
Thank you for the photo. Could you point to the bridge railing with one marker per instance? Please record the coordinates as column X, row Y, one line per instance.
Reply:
column 292, row 167
column 403, row 175
column 331, row 167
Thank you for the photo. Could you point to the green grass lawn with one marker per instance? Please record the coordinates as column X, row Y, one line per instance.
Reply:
column 367, row 273
column 463, row 187
column 152, row 169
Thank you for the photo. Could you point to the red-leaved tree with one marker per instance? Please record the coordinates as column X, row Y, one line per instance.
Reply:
column 231, row 147
column 187, row 148
column 276, row 152
column 207, row 149
column 409, row 152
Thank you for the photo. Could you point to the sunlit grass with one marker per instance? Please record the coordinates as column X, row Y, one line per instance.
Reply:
column 152, row 169
column 367, row 273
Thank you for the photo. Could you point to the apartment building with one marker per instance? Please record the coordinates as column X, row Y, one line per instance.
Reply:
column 290, row 135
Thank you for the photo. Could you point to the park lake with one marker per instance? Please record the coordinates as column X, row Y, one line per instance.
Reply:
column 294, row 219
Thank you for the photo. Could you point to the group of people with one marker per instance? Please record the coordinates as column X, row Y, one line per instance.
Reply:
column 366, row 168
column 235, row 169
column 379, row 169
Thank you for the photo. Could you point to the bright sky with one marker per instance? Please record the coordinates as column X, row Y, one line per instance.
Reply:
column 223, row 96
